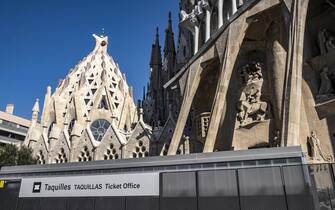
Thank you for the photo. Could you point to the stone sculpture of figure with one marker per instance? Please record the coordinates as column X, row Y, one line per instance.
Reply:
column 316, row 152
column 250, row 107
column 190, row 20
column 326, row 41
column 183, row 16
column 326, row 86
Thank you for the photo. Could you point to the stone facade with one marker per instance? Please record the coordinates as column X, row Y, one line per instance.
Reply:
column 243, row 75
column 262, row 75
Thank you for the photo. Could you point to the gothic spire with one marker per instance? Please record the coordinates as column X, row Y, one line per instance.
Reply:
column 169, row 38
column 143, row 97
column 156, row 56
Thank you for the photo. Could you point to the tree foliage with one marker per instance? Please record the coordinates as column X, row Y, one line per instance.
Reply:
column 11, row 155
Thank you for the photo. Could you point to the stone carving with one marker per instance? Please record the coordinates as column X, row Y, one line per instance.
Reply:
column 326, row 86
column 192, row 19
column 326, row 41
column 316, row 152
column 250, row 107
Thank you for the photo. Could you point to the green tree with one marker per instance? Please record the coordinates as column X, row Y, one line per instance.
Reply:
column 8, row 155
column 25, row 156
column 11, row 155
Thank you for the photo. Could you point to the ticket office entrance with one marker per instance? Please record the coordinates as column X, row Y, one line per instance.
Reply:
column 280, row 188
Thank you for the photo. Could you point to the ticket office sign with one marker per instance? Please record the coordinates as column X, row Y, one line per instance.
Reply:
column 139, row 184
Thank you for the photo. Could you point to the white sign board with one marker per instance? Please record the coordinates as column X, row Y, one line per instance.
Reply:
column 144, row 184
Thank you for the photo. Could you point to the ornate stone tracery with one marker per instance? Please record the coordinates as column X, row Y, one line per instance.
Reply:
column 251, row 108
column 40, row 158
column 61, row 157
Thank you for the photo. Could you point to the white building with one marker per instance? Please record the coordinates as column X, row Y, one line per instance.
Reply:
column 13, row 129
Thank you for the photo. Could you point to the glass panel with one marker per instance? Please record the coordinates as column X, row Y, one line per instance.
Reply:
column 178, row 191
column 322, row 184
column 113, row 203
column 297, row 187
column 80, row 204
column 142, row 203
column 99, row 128
column 218, row 190
column 261, row 189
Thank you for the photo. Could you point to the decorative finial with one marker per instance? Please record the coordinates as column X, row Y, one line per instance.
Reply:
column 170, row 18
column 36, row 108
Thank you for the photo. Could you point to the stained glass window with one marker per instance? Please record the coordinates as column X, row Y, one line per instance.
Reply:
column 99, row 128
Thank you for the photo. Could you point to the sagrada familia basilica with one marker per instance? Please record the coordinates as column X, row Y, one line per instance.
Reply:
column 243, row 74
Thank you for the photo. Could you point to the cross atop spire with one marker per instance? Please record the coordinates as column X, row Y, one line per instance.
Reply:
column 102, row 32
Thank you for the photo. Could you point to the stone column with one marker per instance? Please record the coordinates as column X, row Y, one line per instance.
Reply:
column 208, row 24
column 276, row 58
column 294, row 61
column 233, row 7
column 220, row 13
column 206, row 6
column 192, row 84
column 196, row 38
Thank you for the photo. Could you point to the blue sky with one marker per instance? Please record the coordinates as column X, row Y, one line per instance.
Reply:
column 40, row 40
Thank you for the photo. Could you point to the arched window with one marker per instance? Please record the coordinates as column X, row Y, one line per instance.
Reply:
column 99, row 129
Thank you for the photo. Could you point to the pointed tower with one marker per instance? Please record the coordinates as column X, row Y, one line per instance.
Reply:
column 156, row 56
column 169, row 66
column 35, row 111
column 33, row 132
column 93, row 97
column 155, row 100
column 169, row 50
